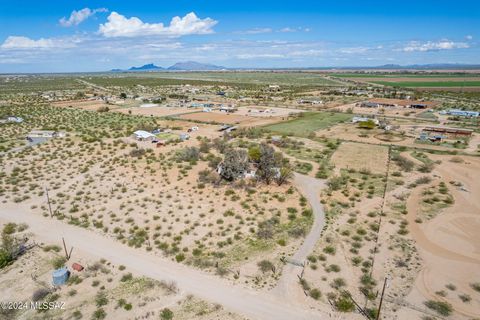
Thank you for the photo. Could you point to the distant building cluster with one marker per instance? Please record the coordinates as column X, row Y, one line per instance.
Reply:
column 439, row 134
column 395, row 103
column 461, row 113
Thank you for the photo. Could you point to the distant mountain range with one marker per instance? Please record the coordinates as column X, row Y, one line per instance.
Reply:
column 197, row 66
column 179, row 66
column 146, row 67
column 192, row 65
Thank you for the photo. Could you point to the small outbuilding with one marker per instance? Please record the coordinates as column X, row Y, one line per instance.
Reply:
column 276, row 140
column 184, row 136
column 228, row 109
column 144, row 135
column 365, row 119
column 15, row 119
column 46, row 134
column 449, row 132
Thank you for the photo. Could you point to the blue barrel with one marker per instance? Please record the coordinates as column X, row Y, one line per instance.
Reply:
column 60, row 276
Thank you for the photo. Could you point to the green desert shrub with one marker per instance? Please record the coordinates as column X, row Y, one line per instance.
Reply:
column 166, row 314
column 440, row 307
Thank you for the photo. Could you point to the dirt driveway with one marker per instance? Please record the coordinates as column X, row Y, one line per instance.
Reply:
column 250, row 303
column 287, row 286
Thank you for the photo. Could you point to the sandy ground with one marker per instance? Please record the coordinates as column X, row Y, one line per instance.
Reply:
column 360, row 156
column 91, row 105
column 159, row 111
column 449, row 243
column 230, row 118
column 474, row 144
column 147, row 297
column 247, row 302
column 217, row 116
column 266, row 112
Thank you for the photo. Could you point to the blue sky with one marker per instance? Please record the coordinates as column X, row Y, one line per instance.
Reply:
column 69, row 36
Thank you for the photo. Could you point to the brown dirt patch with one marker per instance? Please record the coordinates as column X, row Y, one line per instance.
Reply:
column 216, row 117
column 360, row 156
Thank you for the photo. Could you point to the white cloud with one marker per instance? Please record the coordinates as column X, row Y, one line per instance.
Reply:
column 414, row 46
column 77, row 17
column 120, row 26
column 308, row 53
column 287, row 29
column 298, row 29
column 9, row 60
column 354, row 50
column 18, row 42
column 260, row 55
column 256, row 31
column 469, row 37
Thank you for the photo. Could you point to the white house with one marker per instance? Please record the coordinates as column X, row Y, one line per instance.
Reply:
column 228, row 109
column 46, row 134
column 144, row 135
column 248, row 174
column 461, row 113
column 14, row 119
column 364, row 119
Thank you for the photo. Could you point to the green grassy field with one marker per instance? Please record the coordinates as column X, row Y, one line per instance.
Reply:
column 307, row 123
column 430, row 84
column 427, row 115
column 403, row 75
column 167, row 136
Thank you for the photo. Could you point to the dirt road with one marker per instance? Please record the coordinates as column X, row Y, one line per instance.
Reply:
column 449, row 244
column 287, row 286
column 247, row 302
column 93, row 85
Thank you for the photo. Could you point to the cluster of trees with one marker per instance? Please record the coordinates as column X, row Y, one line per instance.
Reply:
column 369, row 124
column 270, row 165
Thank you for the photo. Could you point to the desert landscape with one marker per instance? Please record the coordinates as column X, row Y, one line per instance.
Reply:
column 315, row 178
column 314, row 210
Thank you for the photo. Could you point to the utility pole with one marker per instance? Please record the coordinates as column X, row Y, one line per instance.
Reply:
column 65, row 247
column 381, row 298
column 48, row 200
